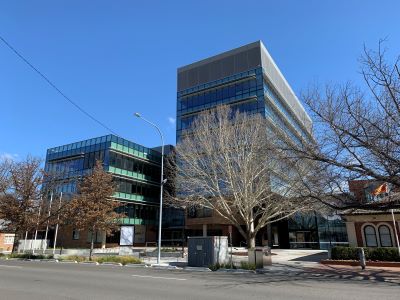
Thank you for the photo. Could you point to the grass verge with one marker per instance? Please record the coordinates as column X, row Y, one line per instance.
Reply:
column 124, row 260
column 29, row 256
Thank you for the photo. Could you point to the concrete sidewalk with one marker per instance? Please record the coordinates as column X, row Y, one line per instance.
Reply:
column 281, row 258
column 375, row 274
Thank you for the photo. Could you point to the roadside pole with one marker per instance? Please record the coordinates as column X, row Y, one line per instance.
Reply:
column 230, row 239
column 47, row 226
column 58, row 219
column 395, row 231
column 37, row 225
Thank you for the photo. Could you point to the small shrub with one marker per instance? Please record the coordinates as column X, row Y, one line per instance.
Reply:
column 214, row 267
column 384, row 254
column 228, row 266
column 377, row 254
column 217, row 266
column 77, row 258
column 117, row 259
column 30, row 256
column 173, row 249
column 345, row 253
column 247, row 266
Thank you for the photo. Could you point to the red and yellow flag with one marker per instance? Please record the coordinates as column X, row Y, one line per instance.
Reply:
column 380, row 189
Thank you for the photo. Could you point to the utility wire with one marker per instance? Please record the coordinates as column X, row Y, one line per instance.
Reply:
column 55, row 87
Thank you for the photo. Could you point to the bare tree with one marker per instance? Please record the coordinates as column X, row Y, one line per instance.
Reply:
column 5, row 167
column 234, row 169
column 357, row 132
column 20, row 195
column 92, row 208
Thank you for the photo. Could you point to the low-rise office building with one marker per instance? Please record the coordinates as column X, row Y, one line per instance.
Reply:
column 136, row 171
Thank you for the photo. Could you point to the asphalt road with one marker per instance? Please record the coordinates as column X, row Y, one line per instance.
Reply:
column 49, row 280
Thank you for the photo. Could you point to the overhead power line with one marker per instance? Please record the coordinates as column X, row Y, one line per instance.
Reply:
column 55, row 87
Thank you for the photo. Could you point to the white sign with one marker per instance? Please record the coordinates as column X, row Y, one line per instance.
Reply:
column 127, row 234
column 140, row 234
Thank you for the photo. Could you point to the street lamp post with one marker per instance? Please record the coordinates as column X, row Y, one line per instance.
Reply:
column 162, row 181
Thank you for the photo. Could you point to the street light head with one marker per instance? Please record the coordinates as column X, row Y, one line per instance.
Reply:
column 138, row 115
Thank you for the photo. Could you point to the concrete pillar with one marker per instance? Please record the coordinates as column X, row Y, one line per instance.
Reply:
column 103, row 240
column 204, row 229
column 269, row 235
column 351, row 234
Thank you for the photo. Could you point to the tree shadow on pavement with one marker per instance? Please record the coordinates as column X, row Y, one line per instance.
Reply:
column 316, row 257
column 306, row 276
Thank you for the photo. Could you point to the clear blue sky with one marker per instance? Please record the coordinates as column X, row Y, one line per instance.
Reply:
column 118, row 57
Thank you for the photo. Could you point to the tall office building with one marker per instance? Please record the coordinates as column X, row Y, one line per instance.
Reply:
column 247, row 79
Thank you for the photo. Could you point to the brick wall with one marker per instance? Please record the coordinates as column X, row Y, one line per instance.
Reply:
column 359, row 231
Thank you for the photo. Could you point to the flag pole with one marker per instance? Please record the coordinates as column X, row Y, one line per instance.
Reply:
column 37, row 225
column 395, row 231
column 47, row 226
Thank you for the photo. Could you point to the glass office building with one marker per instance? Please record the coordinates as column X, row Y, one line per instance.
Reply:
column 248, row 80
column 135, row 169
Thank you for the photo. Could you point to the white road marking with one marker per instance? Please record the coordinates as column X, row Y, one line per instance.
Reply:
column 154, row 277
column 6, row 266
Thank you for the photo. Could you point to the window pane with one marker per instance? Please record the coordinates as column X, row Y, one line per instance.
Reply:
column 370, row 236
column 384, row 235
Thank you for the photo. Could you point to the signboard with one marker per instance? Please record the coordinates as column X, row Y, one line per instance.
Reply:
column 140, row 234
column 127, row 234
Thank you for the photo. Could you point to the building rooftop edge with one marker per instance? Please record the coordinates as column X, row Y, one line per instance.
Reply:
column 286, row 83
column 219, row 56
column 97, row 137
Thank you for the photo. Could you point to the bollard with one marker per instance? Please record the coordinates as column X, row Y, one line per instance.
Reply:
column 361, row 256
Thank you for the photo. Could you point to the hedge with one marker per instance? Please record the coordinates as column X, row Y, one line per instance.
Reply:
column 374, row 254
column 30, row 256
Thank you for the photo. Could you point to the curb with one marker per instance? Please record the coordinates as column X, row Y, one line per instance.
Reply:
column 89, row 263
column 240, row 271
column 136, row 266
column 66, row 261
column 197, row 269
column 47, row 260
column 166, row 267
column 111, row 264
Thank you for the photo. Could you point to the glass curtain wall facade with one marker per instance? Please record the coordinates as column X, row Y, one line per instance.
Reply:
column 317, row 231
column 248, row 80
column 135, row 168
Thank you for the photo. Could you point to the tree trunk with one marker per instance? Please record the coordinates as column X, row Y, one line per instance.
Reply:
column 251, row 241
column 251, row 244
column 251, row 236
column 15, row 243
column 91, row 243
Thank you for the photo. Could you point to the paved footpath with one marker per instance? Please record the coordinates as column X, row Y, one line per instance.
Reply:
column 373, row 274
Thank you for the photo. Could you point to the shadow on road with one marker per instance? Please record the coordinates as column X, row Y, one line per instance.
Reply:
column 316, row 257
column 310, row 275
